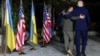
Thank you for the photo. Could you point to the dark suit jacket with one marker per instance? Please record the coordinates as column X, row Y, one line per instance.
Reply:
column 80, row 24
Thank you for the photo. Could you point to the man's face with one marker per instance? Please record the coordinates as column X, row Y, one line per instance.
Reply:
column 80, row 4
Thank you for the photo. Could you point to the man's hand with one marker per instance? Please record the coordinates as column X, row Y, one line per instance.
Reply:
column 63, row 12
column 82, row 16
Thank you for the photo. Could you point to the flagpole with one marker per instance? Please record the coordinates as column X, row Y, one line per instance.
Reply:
column 20, row 2
column 5, row 48
column 2, row 10
column 42, row 28
column 43, row 44
column 2, row 25
column 21, row 51
column 8, row 17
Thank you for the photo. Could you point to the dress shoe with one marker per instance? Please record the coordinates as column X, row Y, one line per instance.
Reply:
column 83, row 54
column 78, row 55
column 32, row 48
column 22, row 53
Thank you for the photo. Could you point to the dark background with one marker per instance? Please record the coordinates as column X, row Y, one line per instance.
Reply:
column 93, row 7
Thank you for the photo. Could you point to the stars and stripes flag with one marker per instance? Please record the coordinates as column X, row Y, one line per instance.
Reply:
column 46, row 26
column 21, row 29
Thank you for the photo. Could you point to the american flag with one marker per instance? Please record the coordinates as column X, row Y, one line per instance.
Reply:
column 46, row 26
column 21, row 29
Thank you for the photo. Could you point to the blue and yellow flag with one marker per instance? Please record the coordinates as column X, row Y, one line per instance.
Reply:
column 10, row 38
column 33, row 30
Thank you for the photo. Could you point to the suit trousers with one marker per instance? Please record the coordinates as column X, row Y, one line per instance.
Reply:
column 80, row 35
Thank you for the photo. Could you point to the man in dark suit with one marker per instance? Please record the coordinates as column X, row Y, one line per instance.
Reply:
column 81, row 27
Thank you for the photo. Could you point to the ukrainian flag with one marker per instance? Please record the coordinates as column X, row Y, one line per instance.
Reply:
column 33, row 30
column 10, row 39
